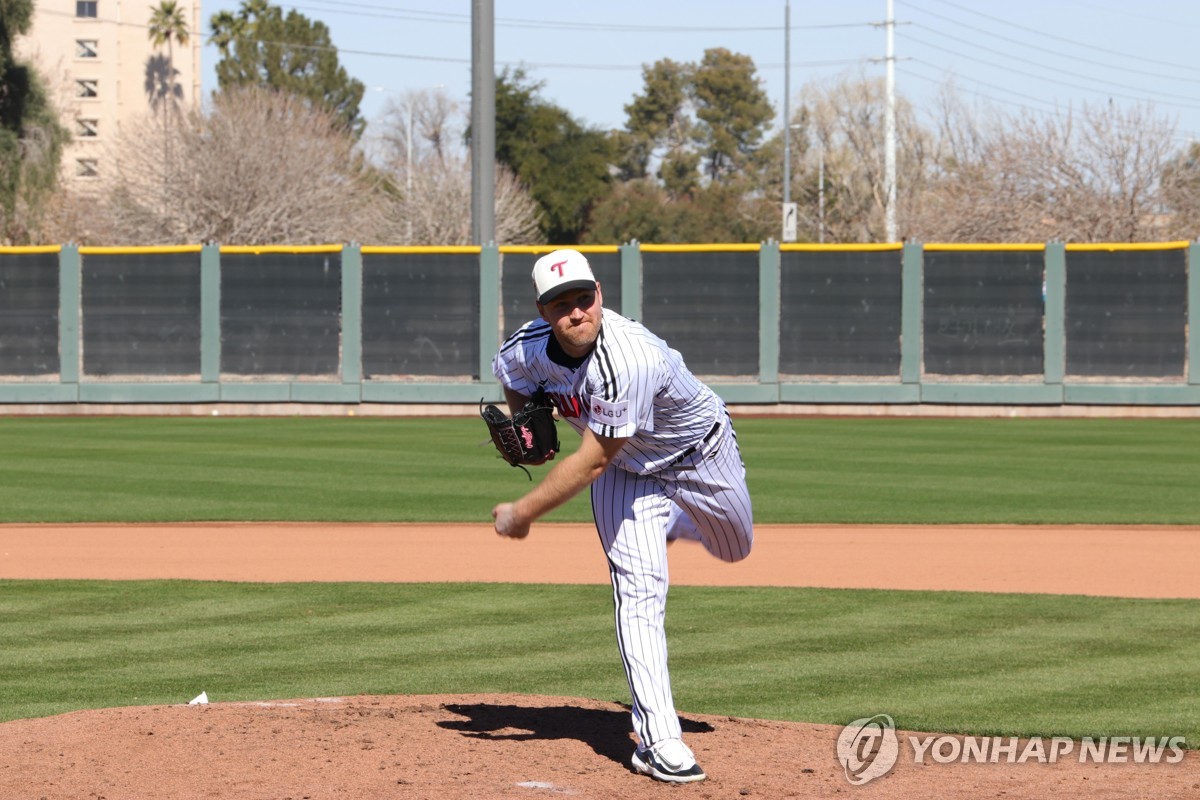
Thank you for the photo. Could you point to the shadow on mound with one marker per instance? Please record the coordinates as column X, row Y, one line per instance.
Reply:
column 606, row 732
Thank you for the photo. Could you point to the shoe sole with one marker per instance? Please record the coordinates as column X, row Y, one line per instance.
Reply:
column 646, row 768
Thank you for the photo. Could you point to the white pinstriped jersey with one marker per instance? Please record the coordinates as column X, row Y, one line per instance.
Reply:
column 632, row 385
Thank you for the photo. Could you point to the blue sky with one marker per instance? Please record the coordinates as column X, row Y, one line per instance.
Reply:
column 1040, row 55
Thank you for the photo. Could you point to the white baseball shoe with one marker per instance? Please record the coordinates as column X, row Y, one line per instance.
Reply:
column 669, row 760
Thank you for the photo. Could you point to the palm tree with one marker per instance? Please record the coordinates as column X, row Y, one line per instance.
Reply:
column 167, row 26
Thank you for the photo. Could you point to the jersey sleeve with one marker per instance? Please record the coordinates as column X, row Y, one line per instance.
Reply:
column 509, row 365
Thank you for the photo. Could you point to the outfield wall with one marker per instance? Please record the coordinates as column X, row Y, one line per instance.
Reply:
column 769, row 326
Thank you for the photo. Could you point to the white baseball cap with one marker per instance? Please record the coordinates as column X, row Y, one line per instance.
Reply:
column 561, row 271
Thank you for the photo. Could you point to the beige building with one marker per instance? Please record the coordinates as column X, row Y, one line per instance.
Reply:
column 103, row 72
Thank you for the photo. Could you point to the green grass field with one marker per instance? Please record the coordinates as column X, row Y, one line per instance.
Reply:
column 939, row 661
column 807, row 470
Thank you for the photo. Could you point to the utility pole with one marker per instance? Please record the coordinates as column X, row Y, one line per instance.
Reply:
column 789, row 208
column 821, row 196
column 483, row 122
column 889, row 179
column 787, row 97
column 408, row 169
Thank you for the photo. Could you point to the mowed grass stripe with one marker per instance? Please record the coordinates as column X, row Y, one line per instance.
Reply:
column 836, row 470
column 963, row 662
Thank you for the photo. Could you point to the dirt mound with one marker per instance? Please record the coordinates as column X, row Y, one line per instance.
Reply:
column 484, row 746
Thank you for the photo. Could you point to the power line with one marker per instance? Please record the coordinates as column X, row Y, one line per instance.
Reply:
column 518, row 22
column 1190, row 102
column 1084, row 45
column 942, row 82
column 1186, row 102
column 1126, row 13
column 531, row 64
column 1081, row 59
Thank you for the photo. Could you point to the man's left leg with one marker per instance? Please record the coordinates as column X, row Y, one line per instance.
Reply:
column 711, row 502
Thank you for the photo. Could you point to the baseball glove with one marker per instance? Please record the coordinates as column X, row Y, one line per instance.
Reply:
column 529, row 436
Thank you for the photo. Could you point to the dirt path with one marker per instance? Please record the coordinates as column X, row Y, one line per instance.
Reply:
column 1129, row 561
column 505, row 746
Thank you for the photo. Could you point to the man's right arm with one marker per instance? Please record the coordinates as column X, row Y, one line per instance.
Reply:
column 569, row 477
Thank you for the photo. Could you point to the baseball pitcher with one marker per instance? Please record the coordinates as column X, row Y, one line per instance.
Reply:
column 659, row 453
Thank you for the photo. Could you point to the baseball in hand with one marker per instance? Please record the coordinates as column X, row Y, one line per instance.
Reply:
column 507, row 523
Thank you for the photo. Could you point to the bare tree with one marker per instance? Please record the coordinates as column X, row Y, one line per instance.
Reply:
column 437, row 210
column 420, row 149
column 1181, row 193
column 845, row 120
column 262, row 167
column 433, row 117
column 1086, row 176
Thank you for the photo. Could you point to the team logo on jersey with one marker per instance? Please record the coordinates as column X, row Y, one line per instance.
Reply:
column 609, row 412
column 567, row 405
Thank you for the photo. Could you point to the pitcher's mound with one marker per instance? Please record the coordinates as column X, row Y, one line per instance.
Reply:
column 484, row 746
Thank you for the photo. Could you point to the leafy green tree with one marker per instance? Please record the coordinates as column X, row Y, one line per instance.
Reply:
column 693, row 157
column 638, row 210
column 565, row 164
column 168, row 26
column 733, row 110
column 262, row 47
column 31, row 138
column 729, row 212
column 645, row 211
column 712, row 115
column 657, row 118
column 680, row 173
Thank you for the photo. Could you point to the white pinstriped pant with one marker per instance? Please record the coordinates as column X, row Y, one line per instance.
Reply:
column 707, row 500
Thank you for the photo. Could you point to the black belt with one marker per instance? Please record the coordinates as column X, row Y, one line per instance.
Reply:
column 711, row 433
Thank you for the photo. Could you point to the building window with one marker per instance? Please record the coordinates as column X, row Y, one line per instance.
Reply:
column 86, row 88
column 85, row 8
column 87, row 48
column 87, row 128
column 87, row 167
